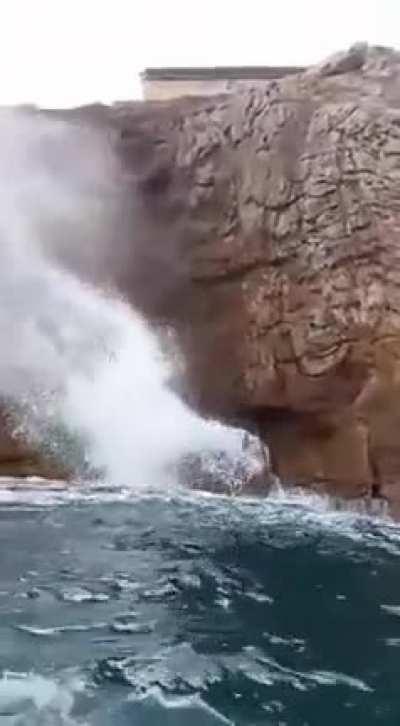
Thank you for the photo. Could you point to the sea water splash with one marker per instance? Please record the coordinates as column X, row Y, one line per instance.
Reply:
column 87, row 362
column 82, row 371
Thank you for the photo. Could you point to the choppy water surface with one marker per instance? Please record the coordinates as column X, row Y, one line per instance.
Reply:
column 188, row 609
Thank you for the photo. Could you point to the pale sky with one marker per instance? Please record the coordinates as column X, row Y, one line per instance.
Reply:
column 66, row 52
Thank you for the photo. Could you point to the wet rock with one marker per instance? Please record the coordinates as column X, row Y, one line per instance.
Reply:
column 18, row 458
column 242, row 472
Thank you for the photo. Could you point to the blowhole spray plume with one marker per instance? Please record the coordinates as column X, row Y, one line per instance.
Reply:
column 78, row 364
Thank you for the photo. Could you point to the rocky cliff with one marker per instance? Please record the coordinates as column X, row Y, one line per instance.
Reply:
column 267, row 230
column 265, row 227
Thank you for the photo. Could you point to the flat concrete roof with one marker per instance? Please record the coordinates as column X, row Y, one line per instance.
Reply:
column 219, row 73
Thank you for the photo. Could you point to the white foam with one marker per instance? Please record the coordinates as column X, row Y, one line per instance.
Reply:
column 192, row 704
column 391, row 609
column 29, row 699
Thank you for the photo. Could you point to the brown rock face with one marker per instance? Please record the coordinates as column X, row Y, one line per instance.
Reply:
column 19, row 459
column 265, row 227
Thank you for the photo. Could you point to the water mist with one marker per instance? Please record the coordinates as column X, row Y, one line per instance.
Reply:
column 75, row 359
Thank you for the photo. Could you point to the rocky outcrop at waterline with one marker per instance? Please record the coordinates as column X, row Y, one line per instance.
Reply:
column 264, row 226
column 19, row 459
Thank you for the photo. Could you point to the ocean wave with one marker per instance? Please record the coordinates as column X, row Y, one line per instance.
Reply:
column 296, row 508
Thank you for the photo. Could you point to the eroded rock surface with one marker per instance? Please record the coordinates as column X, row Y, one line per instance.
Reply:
column 266, row 228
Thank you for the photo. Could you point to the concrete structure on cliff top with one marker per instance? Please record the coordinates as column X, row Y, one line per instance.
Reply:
column 165, row 83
